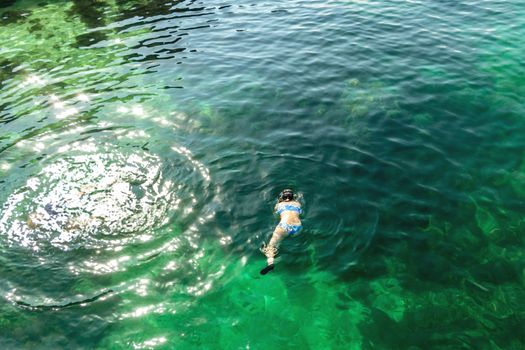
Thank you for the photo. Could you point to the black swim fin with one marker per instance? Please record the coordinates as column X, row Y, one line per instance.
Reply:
column 267, row 269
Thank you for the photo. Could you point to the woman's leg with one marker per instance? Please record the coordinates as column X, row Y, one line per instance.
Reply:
column 271, row 249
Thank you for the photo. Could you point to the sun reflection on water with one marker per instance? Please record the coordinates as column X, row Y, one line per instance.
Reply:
column 103, row 188
column 86, row 197
column 148, row 344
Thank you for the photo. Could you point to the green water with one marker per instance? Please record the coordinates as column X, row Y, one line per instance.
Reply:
column 143, row 144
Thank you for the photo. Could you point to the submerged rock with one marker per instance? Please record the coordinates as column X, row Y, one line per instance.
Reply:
column 387, row 296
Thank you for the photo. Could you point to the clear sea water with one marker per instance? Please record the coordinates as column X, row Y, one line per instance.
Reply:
column 143, row 144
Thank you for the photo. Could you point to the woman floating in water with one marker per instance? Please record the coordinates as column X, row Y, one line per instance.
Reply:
column 289, row 209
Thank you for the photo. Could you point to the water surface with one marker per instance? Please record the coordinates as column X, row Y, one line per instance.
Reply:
column 143, row 144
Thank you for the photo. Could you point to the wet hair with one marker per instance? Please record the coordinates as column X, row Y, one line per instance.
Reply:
column 286, row 194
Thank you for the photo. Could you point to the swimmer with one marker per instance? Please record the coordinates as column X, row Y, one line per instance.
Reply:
column 289, row 210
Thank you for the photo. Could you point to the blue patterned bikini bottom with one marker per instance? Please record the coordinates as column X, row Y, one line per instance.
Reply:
column 291, row 229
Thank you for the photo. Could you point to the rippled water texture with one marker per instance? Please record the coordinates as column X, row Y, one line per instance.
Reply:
column 143, row 144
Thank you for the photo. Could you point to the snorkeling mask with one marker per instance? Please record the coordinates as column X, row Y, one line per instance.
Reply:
column 286, row 194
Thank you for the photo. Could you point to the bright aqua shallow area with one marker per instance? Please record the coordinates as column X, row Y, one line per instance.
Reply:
column 143, row 143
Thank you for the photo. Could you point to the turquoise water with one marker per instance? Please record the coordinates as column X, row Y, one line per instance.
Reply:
column 143, row 144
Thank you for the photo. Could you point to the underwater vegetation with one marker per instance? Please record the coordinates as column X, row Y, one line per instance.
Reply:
column 91, row 14
column 146, row 8
column 7, row 3
column 367, row 99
